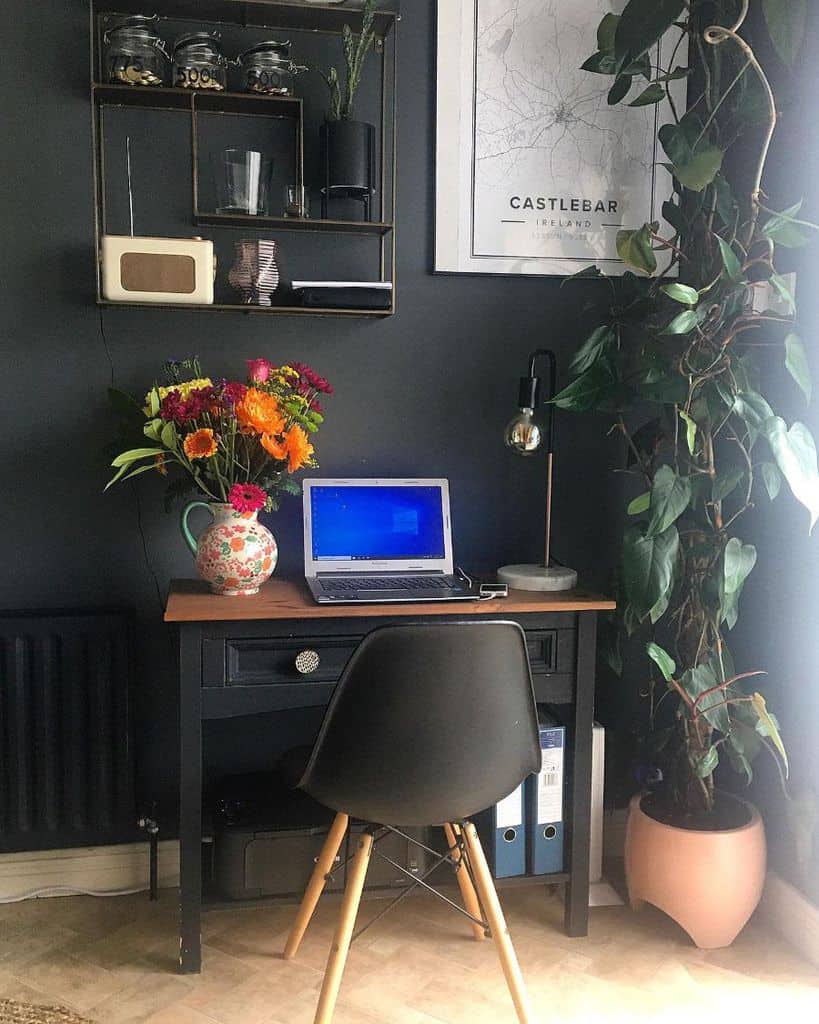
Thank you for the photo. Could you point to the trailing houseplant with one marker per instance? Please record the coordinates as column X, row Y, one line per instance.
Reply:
column 235, row 443
column 673, row 363
column 348, row 146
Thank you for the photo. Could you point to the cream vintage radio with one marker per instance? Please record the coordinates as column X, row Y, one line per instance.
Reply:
column 171, row 270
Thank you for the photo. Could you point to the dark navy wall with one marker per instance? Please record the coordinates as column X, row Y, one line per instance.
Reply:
column 427, row 391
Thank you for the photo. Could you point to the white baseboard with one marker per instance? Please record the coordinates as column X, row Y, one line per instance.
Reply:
column 792, row 915
column 104, row 869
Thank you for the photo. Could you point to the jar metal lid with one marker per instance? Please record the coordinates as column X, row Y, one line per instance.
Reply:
column 140, row 26
column 270, row 46
column 207, row 40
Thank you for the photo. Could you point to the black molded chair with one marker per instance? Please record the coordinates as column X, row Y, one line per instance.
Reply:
column 428, row 725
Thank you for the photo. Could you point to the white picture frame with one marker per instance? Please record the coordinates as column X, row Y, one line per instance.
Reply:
column 535, row 171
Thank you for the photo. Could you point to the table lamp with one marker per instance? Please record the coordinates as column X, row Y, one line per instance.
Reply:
column 526, row 435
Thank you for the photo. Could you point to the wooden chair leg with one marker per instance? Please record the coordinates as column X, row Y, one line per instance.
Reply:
column 344, row 932
column 497, row 924
column 468, row 894
column 315, row 887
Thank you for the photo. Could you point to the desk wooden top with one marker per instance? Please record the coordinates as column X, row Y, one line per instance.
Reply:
column 192, row 601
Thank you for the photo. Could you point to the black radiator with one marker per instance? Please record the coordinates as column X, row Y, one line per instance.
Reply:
column 66, row 745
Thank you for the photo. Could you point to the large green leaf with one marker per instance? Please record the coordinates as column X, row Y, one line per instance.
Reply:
column 697, row 681
column 662, row 659
column 795, row 454
column 786, row 25
column 682, row 293
column 696, row 162
column 780, row 286
column 707, row 764
column 649, row 566
column 682, row 323
column 640, row 504
column 605, row 32
column 596, row 345
column 591, row 389
column 621, row 86
column 754, row 410
column 772, row 478
column 784, row 230
column 634, row 248
column 690, row 430
column 725, row 484
column 674, row 216
column 651, row 94
column 729, row 259
column 768, row 726
column 670, row 497
column 737, row 562
column 136, row 453
column 641, row 24
column 600, row 63
column 796, row 362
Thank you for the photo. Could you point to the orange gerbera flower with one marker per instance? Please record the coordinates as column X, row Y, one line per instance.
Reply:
column 298, row 447
column 277, row 449
column 259, row 412
column 201, row 444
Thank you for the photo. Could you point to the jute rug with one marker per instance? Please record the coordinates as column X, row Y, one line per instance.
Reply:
column 20, row 1013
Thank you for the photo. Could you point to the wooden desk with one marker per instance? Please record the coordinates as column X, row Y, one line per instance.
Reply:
column 236, row 657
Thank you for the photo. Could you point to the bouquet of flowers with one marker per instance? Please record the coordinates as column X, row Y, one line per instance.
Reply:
column 236, row 443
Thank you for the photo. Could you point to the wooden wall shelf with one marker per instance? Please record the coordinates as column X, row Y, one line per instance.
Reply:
column 235, row 307
column 157, row 97
column 338, row 227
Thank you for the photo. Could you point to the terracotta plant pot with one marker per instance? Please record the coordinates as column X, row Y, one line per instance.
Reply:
column 709, row 882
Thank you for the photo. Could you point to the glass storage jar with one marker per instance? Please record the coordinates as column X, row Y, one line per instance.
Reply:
column 198, row 62
column 134, row 53
column 267, row 69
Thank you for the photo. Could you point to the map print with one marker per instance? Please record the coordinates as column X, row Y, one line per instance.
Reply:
column 556, row 170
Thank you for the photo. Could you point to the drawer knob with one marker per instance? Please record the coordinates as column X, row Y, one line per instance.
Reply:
column 307, row 662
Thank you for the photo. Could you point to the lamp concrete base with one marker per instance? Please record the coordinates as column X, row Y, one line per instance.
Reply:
column 537, row 577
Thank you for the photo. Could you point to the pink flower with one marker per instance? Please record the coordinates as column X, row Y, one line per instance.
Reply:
column 258, row 370
column 247, row 497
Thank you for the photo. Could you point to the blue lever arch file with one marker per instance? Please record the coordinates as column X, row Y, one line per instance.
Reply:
column 544, row 802
column 503, row 835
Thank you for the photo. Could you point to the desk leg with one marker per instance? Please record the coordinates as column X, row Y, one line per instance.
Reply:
column 190, row 798
column 576, row 912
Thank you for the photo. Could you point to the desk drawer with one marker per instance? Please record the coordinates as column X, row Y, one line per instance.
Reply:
column 265, row 662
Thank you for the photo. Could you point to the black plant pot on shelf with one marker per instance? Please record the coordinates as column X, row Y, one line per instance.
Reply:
column 348, row 162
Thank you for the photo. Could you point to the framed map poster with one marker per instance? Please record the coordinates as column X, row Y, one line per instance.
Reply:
column 535, row 171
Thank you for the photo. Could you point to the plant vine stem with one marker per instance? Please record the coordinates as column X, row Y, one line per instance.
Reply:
column 716, row 35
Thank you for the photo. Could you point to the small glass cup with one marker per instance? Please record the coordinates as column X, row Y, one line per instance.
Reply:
column 242, row 181
column 297, row 202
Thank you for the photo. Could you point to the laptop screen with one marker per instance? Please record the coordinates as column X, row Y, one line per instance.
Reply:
column 366, row 523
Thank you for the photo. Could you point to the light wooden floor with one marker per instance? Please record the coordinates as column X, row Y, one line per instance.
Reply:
column 113, row 961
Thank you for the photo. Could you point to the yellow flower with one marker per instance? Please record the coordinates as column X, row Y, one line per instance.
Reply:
column 184, row 390
column 201, row 444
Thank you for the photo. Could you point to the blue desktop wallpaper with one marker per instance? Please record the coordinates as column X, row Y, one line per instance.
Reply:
column 377, row 522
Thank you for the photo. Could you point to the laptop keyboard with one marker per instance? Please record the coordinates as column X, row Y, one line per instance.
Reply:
column 391, row 583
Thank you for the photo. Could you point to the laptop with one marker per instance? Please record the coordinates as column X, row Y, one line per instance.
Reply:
column 380, row 541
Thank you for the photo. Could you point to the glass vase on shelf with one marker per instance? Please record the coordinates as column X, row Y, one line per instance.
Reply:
column 242, row 181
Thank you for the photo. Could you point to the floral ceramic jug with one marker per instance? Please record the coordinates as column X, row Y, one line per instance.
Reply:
column 236, row 554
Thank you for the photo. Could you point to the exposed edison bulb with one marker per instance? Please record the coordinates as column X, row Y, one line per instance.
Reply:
column 522, row 433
